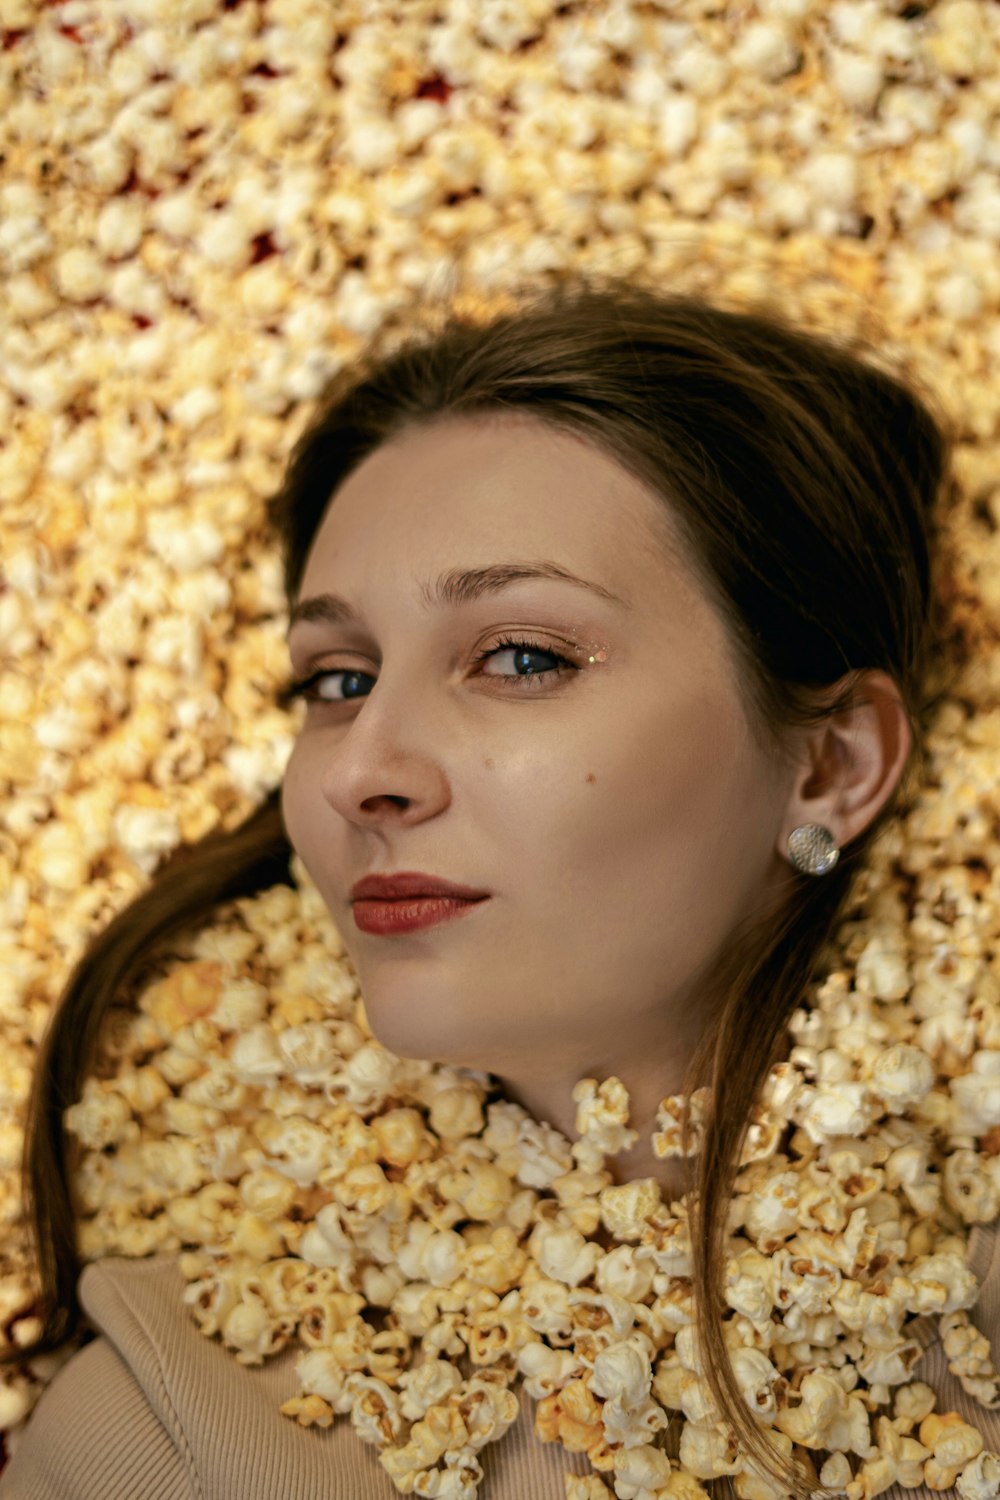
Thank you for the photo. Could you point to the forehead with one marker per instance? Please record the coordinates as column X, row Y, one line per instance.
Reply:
column 467, row 491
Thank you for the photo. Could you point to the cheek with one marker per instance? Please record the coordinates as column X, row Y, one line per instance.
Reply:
column 539, row 805
column 675, row 792
column 312, row 836
column 683, row 756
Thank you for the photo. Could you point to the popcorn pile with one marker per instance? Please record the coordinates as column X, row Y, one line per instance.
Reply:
column 205, row 208
column 432, row 1247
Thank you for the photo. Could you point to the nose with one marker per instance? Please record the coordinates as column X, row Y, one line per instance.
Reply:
column 384, row 763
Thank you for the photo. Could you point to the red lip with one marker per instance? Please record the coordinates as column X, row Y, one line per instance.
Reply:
column 386, row 918
column 407, row 885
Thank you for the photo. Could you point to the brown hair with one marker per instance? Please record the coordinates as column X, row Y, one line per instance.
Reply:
column 803, row 477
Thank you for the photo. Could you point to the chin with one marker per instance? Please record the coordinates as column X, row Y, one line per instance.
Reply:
column 401, row 1031
column 405, row 1032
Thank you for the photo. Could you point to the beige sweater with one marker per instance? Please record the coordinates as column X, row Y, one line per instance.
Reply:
column 151, row 1409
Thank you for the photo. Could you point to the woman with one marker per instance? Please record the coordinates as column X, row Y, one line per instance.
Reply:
column 613, row 612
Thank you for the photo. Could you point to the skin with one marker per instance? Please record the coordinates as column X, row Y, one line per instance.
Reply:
column 622, row 812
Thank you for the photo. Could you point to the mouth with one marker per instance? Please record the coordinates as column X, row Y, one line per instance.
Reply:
column 388, row 917
column 411, row 885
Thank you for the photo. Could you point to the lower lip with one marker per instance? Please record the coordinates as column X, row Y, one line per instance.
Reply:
column 408, row 915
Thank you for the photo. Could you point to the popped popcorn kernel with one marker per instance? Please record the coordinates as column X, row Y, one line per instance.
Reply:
column 602, row 1115
column 308, row 1411
column 585, row 1487
column 980, row 1478
column 626, row 1209
column 571, row 1417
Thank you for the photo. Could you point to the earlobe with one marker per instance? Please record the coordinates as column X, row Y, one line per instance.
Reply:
column 853, row 762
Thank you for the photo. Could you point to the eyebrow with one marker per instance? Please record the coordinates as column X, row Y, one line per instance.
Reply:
column 456, row 587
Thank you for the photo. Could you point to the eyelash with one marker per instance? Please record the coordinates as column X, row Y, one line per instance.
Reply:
column 299, row 687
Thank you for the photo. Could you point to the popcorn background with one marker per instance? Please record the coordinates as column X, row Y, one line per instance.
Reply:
column 205, row 207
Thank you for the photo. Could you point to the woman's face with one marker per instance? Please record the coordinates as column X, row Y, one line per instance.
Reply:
column 618, row 811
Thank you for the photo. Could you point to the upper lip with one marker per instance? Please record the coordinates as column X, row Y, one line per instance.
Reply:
column 410, row 883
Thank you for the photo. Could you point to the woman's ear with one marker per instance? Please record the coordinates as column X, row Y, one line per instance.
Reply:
column 850, row 764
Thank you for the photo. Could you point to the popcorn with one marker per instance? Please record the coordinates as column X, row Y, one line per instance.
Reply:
column 240, row 1007
column 79, row 274
column 622, row 1372
column 368, row 1190
column 902, row 1076
column 977, row 1096
column 430, row 1384
column 325, row 1242
column 120, row 227
column 622, row 1274
column 898, row 1459
column 979, row 1479
column 571, row 1417
column 668, row 1140
column 682, row 1389
column 857, row 80
column 705, row 1452
column 481, row 1190
column 24, row 240
column 666, row 1242
column 402, row 1138
column 171, row 1165
column 545, row 1370
column 626, row 1209
column 546, row 1309
column 827, row 1417
column 563, row 1253
column 248, row 1329
column 942, row 1283
column 308, row 1411
column 912, row 1403
column 602, row 1115
column 752, row 1286
column 584, row 1487
column 772, row 1213
column 307, row 1052
column 366, row 1076
column 184, row 545
column 969, row 1190
column 544, row 1153
column 757, row 1377
column 294, row 1146
column 840, row 1109
column 767, row 50
column 102, row 1117
column 954, row 1444
column 375, row 1413
column 431, row 1255
column 640, row 1472
column 970, row 1357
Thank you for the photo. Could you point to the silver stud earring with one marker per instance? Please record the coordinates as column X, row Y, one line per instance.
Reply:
column 812, row 850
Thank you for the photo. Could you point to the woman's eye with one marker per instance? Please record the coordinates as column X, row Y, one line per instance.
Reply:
column 521, row 654
column 305, row 687
column 524, row 659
